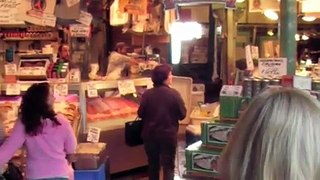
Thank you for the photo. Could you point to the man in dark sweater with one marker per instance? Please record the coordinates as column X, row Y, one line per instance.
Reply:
column 161, row 109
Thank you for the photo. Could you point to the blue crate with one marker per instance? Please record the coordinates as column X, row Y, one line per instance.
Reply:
column 96, row 174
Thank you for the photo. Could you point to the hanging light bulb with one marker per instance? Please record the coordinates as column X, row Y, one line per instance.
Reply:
column 309, row 18
column 271, row 14
column 304, row 37
column 297, row 37
column 270, row 32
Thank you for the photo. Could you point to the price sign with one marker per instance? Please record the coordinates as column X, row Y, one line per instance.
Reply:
column 228, row 90
column 126, row 87
column 85, row 18
column 72, row 2
column 60, row 89
column 93, row 134
column 272, row 67
column 79, row 30
column 49, row 20
column 13, row 89
column 249, row 60
column 302, row 82
column 254, row 52
column 74, row 75
column 10, row 69
column 92, row 90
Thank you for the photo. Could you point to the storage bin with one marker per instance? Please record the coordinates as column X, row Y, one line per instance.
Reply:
column 97, row 174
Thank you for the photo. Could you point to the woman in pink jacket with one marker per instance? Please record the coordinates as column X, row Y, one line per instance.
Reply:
column 47, row 137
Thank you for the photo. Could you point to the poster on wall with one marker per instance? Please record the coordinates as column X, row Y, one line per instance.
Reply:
column 33, row 11
column 261, row 5
column 272, row 67
column 9, row 12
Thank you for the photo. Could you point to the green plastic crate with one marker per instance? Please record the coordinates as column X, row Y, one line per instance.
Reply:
column 230, row 106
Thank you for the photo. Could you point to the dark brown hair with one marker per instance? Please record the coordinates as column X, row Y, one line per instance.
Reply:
column 160, row 74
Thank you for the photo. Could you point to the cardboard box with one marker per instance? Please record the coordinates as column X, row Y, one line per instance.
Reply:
column 200, row 159
column 216, row 134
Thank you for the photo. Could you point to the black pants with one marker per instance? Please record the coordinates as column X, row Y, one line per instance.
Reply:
column 161, row 151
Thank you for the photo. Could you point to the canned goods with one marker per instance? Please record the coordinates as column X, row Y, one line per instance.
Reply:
column 275, row 82
column 247, row 87
column 316, row 85
column 265, row 83
column 256, row 86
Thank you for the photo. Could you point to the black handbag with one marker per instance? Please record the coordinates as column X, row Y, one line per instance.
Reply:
column 133, row 131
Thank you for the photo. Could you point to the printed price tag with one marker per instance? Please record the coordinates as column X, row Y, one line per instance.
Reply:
column 301, row 82
column 49, row 20
column 126, row 87
column 72, row 2
column 273, row 67
column 74, row 75
column 228, row 90
column 85, row 18
column 93, row 134
column 13, row 89
column 10, row 69
column 92, row 90
column 79, row 30
column 60, row 89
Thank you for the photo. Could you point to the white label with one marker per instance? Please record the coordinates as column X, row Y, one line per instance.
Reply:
column 228, row 90
column 249, row 60
column 60, row 89
column 13, row 89
column 79, row 30
column 10, row 69
column 255, row 52
column 301, row 82
column 92, row 90
column 93, row 134
column 74, row 75
column 9, row 12
column 273, row 67
column 126, row 87
column 49, row 20
column 72, row 2
column 85, row 18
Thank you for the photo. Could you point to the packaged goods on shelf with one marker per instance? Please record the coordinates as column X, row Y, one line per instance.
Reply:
column 216, row 134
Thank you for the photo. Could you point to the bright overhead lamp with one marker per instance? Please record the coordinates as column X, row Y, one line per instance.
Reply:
column 309, row 18
column 304, row 37
column 297, row 37
column 271, row 14
column 240, row 1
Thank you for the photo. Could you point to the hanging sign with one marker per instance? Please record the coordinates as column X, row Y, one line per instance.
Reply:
column 85, row 18
column 9, row 12
column 49, row 20
column 92, row 90
column 72, row 2
column 126, row 87
column 13, row 89
column 93, row 134
column 60, row 89
column 272, row 67
column 302, row 82
column 228, row 90
column 79, row 30
column 10, row 69
column 249, row 60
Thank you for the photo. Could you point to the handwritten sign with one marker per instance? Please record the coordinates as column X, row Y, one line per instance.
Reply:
column 79, row 30
column 9, row 12
column 60, row 89
column 228, row 90
column 13, row 89
column 302, row 82
column 10, row 69
column 49, row 20
column 93, row 134
column 272, row 67
column 85, row 18
column 92, row 90
column 249, row 60
column 126, row 87
column 72, row 2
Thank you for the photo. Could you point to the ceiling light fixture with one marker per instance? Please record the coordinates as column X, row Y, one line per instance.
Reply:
column 304, row 37
column 271, row 14
column 309, row 18
column 240, row 1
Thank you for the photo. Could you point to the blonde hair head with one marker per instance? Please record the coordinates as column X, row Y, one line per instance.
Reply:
column 277, row 138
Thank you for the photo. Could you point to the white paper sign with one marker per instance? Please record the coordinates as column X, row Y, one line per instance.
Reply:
column 249, row 60
column 60, row 89
column 74, row 75
column 9, row 12
column 13, row 89
column 272, row 67
column 228, row 90
column 126, row 87
column 72, row 2
column 302, row 82
column 79, row 30
column 10, row 69
column 93, row 134
column 92, row 90
column 85, row 18
column 49, row 20
column 254, row 52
